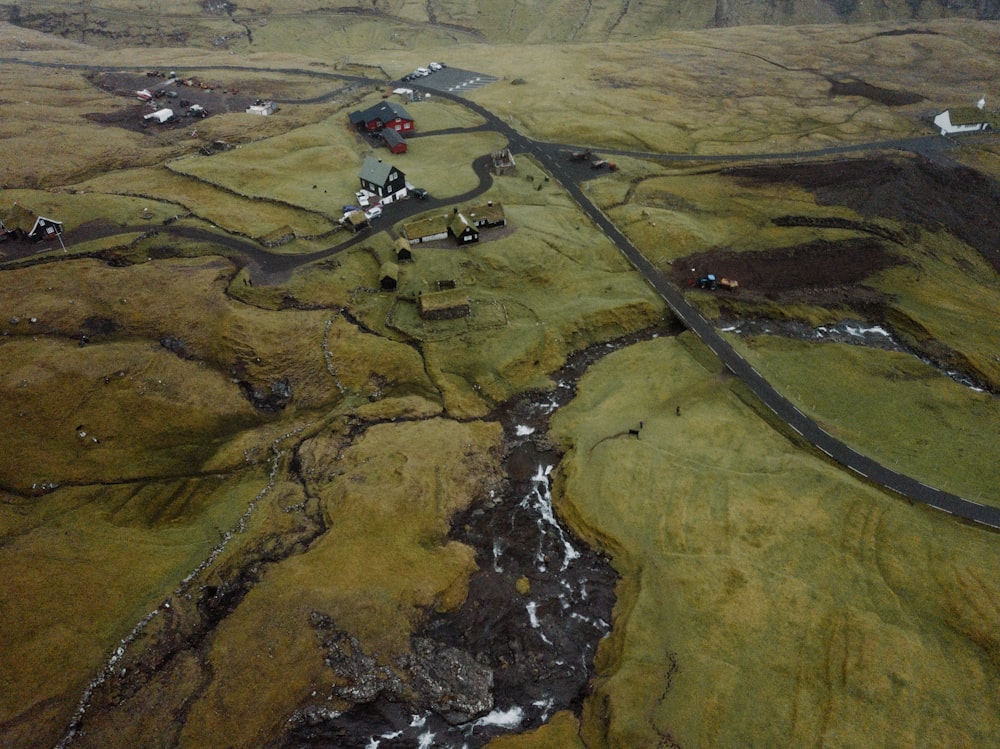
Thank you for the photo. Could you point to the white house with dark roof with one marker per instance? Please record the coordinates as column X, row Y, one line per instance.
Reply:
column 383, row 180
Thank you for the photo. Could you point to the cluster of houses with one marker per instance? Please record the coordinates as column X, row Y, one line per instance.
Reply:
column 461, row 225
column 21, row 222
column 386, row 120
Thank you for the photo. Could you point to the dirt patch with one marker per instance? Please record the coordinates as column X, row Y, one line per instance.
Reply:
column 886, row 96
column 214, row 97
column 911, row 190
column 836, row 267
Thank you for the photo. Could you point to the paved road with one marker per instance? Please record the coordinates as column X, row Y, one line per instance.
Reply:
column 553, row 157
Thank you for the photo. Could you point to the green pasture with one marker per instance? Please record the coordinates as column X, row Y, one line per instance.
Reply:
column 890, row 406
column 768, row 597
column 165, row 191
column 128, row 546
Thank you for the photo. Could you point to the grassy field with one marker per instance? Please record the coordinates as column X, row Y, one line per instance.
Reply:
column 892, row 407
column 767, row 597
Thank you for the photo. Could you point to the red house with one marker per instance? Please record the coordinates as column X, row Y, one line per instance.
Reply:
column 385, row 114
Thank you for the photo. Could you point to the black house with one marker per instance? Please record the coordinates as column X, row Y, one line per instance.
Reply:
column 382, row 180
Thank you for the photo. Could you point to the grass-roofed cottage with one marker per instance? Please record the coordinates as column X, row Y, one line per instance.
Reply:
column 461, row 229
column 426, row 229
column 403, row 251
column 21, row 222
column 382, row 180
column 964, row 120
column 487, row 216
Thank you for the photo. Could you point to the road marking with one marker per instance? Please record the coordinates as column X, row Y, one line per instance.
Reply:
column 796, row 429
column 858, row 472
column 828, row 453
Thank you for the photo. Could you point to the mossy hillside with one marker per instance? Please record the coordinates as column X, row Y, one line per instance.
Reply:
column 128, row 546
column 891, row 406
column 944, row 300
column 682, row 97
column 385, row 559
column 165, row 193
column 670, row 215
column 797, row 604
column 107, row 213
column 47, row 107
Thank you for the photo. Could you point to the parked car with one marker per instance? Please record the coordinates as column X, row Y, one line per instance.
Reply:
column 374, row 212
column 422, row 72
column 420, row 193
column 350, row 209
column 435, row 65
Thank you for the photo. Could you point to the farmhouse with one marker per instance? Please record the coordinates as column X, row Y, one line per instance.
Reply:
column 395, row 141
column 21, row 222
column 385, row 114
column 461, row 230
column 487, row 216
column 444, row 305
column 962, row 120
column 382, row 180
column 426, row 229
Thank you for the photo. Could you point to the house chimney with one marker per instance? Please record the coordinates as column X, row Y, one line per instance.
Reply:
column 489, row 203
column 455, row 210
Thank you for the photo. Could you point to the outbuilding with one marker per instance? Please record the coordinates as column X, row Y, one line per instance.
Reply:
column 393, row 140
column 161, row 116
column 403, row 251
column 449, row 304
column 388, row 276
column 356, row 221
column 263, row 108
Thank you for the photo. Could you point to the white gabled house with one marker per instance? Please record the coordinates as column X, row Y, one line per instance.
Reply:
column 965, row 120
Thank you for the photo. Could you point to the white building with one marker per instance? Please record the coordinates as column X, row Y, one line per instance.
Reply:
column 962, row 121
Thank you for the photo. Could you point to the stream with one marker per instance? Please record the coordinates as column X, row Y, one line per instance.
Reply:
column 536, row 610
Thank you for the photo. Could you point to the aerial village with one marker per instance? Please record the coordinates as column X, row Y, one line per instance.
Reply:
column 171, row 100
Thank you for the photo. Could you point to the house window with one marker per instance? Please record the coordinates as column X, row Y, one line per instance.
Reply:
column 393, row 176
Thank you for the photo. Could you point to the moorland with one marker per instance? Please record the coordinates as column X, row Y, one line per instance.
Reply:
column 250, row 497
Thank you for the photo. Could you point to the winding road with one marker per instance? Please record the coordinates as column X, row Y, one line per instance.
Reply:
column 553, row 157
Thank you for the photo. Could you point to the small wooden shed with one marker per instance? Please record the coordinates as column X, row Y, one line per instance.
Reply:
column 388, row 276
column 403, row 251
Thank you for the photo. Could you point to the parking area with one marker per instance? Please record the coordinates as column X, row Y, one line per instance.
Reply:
column 454, row 80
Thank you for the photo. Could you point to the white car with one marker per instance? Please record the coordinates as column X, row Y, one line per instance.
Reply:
column 422, row 72
column 374, row 212
column 435, row 65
